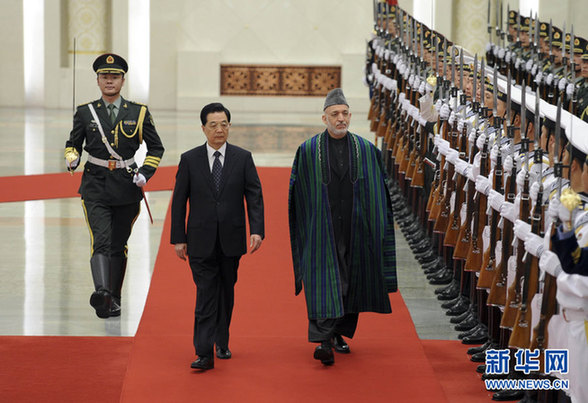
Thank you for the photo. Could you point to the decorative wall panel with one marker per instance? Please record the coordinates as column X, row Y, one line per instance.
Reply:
column 279, row 80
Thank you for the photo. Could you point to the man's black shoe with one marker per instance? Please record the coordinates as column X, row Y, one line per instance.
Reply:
column 223, row 353
column 483, row 347
column 203, row 363
column 100, row 301
column 478, row 328
column 114, row 307
column 340, row 345
column 479, row 337
column 467, row 324
column 443, row 278
column 464, row 316
column 462, row 306
column 507, row 395
column 478, row 357
column 324, row 352
column 486, row 376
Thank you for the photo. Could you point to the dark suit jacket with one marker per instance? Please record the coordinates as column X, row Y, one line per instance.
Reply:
column 211, row 212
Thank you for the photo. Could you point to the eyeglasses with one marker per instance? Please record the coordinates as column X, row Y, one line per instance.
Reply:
column 214, row 125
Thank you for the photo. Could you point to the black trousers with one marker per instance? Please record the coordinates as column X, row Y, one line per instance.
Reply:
column 215, row 277
column 320, row 330
column 110, row 226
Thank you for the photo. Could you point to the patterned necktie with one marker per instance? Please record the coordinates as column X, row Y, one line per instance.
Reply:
column 217, row 170
column 111, row 113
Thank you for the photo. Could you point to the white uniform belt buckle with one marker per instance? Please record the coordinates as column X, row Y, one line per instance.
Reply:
column 112, row 165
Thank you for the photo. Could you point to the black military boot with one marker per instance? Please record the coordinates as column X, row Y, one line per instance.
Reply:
column 101, row 297
column 118, row 268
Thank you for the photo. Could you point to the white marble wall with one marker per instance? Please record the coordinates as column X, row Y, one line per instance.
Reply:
column 191, row 38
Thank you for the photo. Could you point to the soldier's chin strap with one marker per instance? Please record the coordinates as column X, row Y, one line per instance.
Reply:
column 106, row 143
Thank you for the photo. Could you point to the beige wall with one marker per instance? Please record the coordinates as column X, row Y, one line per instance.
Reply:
column 191, row 38
column 11, row 67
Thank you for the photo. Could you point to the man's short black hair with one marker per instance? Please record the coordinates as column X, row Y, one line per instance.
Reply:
column 211, row 108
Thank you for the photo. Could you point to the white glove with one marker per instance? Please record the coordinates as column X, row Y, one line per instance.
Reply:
column 495, row 199
column 452, row 156
column 438, row 106
column 556, row 210
column 493, row 155
column 534, row 244
column 570, row 89
column 522, row 229
column 394, row 85
column 549, row 263
column 139, row 180
column 473, row 173
column 480, row 141
column 416, row 83
column 401, row 97
column 539, row 77
column 483, row 185
column 521, row 179
column 508, row 164
column 518, row 63
column 452, row 117
column 422, row 120
column 534, row 191
column 501, row 53
column 534, row 69
column 462, row 167
column 549, row 79
column 444, row 111
column 411, row 80
column 561, row 85
column 507, row 210
column 529, row 65
column 422, row 88
column 488, row 47
column 507, row 56
column 72, row 165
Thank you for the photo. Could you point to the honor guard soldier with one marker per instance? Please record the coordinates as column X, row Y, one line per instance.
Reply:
column 111, row 129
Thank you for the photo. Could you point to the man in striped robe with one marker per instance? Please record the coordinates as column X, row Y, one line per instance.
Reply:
column 341, row 230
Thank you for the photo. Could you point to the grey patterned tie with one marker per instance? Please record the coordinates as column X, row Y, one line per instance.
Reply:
column 217, row 170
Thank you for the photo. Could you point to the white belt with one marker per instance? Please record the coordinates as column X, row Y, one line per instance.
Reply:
column 111, row 164
column 571, row 315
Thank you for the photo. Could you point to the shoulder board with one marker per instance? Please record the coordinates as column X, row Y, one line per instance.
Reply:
column 80, row 105
column 135, row 103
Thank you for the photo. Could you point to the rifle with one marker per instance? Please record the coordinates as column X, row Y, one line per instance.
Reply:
column 418, row 175
column 446, row 189
column 474, row 257
column 437, row 196
column 465, row 233
column 514, row 295
column 540, row 339
column 487, row 272
column 489, row 53
column 520, row 337
column 497, row 295
column 573, row 100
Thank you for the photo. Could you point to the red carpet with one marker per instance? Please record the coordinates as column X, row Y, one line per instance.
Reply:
column 62, row 369
column 60, row 185
column 272, row 361
column 456, row 373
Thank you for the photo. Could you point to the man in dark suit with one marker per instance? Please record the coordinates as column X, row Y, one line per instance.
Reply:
column 215, row 178
column 112, row 129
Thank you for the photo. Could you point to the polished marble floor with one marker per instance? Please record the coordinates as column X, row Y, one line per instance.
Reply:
column 44, row 245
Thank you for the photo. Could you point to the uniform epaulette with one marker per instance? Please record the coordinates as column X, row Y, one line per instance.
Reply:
column 80, row 105
column 136, row 103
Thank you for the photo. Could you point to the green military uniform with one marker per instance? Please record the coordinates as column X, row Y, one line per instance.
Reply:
column 110, row 196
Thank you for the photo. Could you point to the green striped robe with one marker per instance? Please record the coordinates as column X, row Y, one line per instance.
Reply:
column 373, row 257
